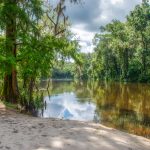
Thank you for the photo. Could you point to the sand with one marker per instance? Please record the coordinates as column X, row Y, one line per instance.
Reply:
column 23, row 132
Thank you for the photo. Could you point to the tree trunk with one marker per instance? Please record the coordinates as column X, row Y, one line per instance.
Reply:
column 116, row 66
column 125, row 64
column 144, row 54
column 11, row 91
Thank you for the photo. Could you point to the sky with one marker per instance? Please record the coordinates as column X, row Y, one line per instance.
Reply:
column 87, row 17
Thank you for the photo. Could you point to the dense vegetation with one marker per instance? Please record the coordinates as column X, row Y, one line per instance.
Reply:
column 123, row 48
column 35, row 43
column 63, row 71
column 33, row 36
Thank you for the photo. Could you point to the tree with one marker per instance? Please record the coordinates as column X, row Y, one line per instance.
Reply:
column 139, row 20
column 12, row 14
column 122, row 48
column 27, row 38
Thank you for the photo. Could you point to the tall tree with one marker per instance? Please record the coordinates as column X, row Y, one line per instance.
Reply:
column 11, row 92
column 13, row 13
column 29, row 38
column 139, row 20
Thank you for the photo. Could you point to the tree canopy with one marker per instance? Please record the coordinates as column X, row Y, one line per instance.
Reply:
column 36, row 43
column 34, row 34
column 122, row 48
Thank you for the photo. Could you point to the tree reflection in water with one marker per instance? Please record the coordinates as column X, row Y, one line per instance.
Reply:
column 122, row 106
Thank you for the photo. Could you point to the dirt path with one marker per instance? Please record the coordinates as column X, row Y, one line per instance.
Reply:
column 22, row 132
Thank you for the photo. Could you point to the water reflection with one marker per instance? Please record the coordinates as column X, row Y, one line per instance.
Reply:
column 121, row 106
column 67, row 106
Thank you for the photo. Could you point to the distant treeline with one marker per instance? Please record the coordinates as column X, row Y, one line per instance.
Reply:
column 63, row 72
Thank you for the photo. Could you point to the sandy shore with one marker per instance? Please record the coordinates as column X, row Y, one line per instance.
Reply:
column 22, row 132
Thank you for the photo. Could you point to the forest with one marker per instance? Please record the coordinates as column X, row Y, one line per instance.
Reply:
column 122, row 48
column 34, row 35
column 36, row 43
column 74, row 74
column 122, row 51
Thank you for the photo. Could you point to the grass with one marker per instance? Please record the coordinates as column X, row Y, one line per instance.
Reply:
column 8, row 105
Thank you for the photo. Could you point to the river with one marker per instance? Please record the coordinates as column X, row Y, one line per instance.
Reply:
column 124, row 106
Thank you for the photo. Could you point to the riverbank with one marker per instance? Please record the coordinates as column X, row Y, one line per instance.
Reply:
column 23, row 132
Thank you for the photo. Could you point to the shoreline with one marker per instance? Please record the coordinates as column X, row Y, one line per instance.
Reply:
column 24, row 132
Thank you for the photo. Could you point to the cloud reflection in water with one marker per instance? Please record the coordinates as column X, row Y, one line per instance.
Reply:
column 68, row 106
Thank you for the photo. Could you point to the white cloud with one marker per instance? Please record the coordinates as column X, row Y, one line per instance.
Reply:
column 83, row 35
column 103, row 17
column 114, row 2
column 85, row 38
column 88, row 17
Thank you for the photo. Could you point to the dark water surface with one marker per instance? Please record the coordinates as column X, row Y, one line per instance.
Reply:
column 121, row 106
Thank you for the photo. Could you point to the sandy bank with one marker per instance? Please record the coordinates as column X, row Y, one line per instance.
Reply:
column 22, row 132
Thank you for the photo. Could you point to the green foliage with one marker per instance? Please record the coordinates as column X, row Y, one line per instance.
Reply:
column 63, row 70
column 9, row 105
column 122, row 49
column 35, row 43
column 33, row 37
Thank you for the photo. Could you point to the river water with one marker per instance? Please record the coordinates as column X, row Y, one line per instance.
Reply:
column 124, row 106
